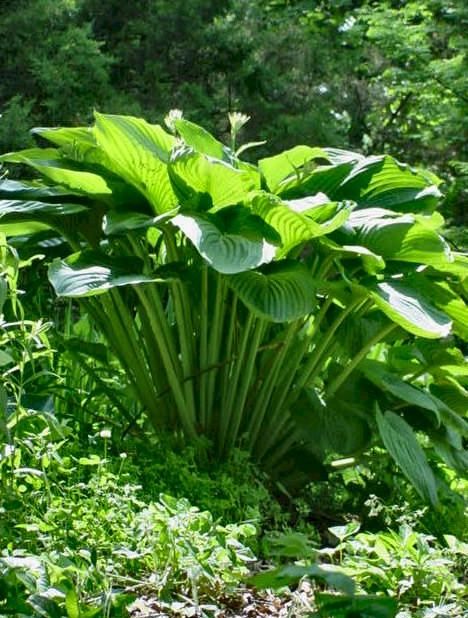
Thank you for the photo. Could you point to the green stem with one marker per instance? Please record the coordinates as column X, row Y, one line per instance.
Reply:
column 360, row 356
column 120, row 335
column 245, row 383
column 281, row 448
column 278, row 413
column 309, row 371
column 214, row 351
column 228, row 411
column 203, row 384
column 184, row 324
column 230, row 342
column 263, row 397
column 158, row 321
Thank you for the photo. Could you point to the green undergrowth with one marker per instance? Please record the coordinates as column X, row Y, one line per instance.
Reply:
column 81, row 527
column 86, row 530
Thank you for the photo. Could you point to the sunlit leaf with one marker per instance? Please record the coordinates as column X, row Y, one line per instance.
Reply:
column 279, row 292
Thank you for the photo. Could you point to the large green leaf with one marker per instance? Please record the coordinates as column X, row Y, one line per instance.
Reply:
column 62, row 136
column 123, row 221
column 202, row 182
column 18, row 210
column 90, row 272
column 50, row 164
column 322, row 179
column 294, row 226
column 227, row 247
column 289, row 163
column 388, row 381
column 394, row 236
column 409, row 308
column 371, row 262
column 333, row 426
column 403, row 446
column 280, row 292
column 200, row 140
column 445, row 299
column 138, row 152
column 385, row 183
column 14, row 189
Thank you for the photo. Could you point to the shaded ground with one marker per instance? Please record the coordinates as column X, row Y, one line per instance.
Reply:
column 245, row 604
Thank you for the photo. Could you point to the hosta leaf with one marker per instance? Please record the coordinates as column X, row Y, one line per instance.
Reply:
column 280, row 292
column 458, row 266
column 332, row 426
column 138, row 152
column 402, row 444
column 410, row 309
column 91, row 272
column 62, row 136
column 323, row 179
column 378, row 375
column 17, row 190
column 444, row 299
column 297, row 227
column 394, row 237
column 203, row 182
column 121, row 222
column 227, row 249
column 19, row 210
column 384, row 182
column 50, row 164
column 371, row 262
column 200, row 140
column 289, row 163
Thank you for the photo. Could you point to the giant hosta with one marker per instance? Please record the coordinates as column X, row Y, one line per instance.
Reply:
column 257, row 304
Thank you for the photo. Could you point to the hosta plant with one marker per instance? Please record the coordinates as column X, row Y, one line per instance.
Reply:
column 255, row 304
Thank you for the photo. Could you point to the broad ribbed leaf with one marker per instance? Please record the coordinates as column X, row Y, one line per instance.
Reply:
column 393, row 384
column 296, row 227
column 226, row 251
column 89, row 273
column 280, row 292
column 444, row 299
column 203, row 182
column 138, row 152
column 394, row 237
column 323, row 179
column 121, row 221
column 14, row 189
column 458, row 267
column 403, row 446
column 200, row 140
column 372, row 262
column 333, row 426
column 410, row 309
column 385, row 183
column 289, row 163
column 18, row 210
column 50, row 164
column 61, row 136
